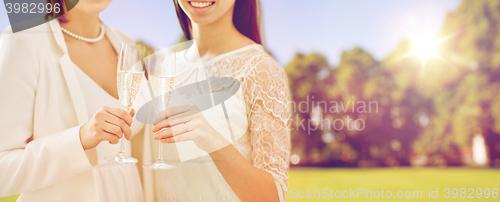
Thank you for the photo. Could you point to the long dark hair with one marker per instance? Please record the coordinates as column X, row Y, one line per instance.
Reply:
column 246, row 19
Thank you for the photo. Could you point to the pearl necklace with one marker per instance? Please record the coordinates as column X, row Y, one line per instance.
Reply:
column 89, row 40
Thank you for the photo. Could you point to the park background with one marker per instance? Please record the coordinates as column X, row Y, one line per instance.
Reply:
column 431, row 67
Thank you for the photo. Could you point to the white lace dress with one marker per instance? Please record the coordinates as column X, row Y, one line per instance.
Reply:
column 264, row 95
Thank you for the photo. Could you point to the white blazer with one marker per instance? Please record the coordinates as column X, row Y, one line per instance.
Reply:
column 41, row 110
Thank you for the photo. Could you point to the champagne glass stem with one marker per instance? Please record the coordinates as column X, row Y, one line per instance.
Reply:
column 122, row 146
column 160, row 152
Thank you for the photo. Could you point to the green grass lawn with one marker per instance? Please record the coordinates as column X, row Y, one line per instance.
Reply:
column 393, row 180
column 9, row 199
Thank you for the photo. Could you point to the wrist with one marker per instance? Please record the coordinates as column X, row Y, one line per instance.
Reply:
column 81, row 138
column 219, row 142
column 221, row 154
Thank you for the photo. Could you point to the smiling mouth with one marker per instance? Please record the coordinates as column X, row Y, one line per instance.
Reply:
column 201, row 4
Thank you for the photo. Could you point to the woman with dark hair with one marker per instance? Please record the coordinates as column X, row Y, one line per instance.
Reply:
column 60, row 113
column 253, row 166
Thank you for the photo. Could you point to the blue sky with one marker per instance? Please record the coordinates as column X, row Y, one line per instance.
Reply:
column 289, row 26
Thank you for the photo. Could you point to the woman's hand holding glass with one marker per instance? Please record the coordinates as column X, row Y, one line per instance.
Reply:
column 107, row 124
column 184, row 123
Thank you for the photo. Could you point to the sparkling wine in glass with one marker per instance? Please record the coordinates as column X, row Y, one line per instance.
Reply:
column 129, row 77
column 161, row 76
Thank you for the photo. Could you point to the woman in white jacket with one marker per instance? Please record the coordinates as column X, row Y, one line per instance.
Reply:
column 59, row 112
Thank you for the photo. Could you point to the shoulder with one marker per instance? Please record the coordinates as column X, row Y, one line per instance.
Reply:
column 267, row 75
column 124, row 37
column 42, row 28
column 29, row 39
column 267, row 83
column 265, row 66
column 27, row 42
column 21, row 53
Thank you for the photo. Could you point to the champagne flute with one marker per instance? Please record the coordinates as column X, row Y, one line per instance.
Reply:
column 129, row 77
column 161, row 76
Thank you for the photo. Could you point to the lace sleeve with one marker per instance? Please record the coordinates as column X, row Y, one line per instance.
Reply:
column 267, row 96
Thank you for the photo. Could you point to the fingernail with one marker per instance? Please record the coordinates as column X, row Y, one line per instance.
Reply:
column 156, row 136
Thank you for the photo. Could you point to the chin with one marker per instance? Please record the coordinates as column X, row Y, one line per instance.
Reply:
column 93, row 6
column 203, row 20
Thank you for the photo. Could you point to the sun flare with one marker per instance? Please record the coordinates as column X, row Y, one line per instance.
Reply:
column 426, row 47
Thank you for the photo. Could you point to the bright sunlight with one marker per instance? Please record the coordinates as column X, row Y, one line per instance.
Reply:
column 426, row 47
